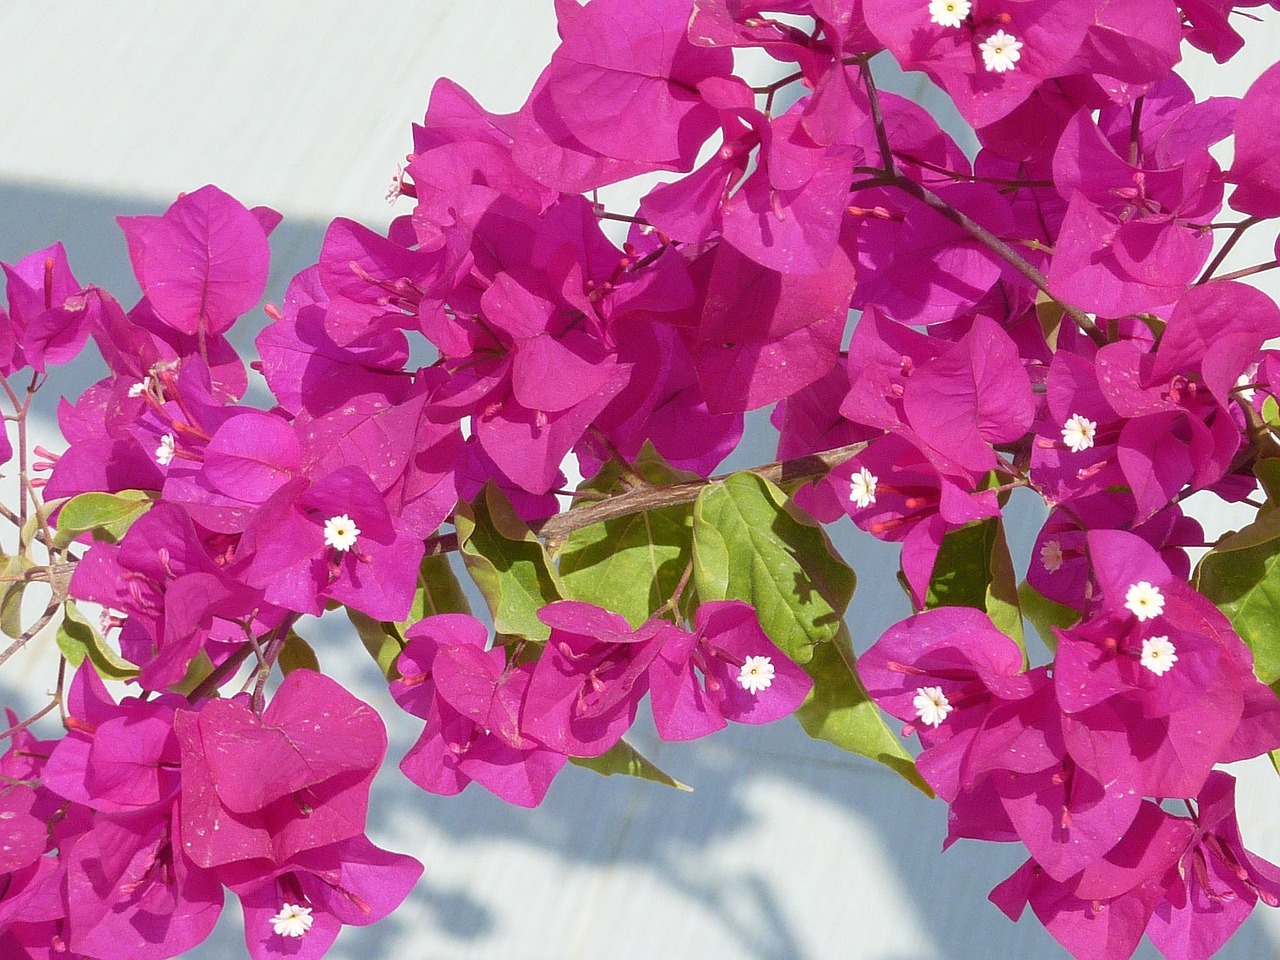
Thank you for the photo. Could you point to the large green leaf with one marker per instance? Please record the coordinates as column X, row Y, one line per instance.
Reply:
column 974, row 569
column 438, row 592
column 751, row 543
column 108, row 515
column 382, row 640
column 297, row 654
column 77, row 638
column 1242, row 576
column 626, row 760
column 12, row 589
column 840, row 711
column 630, row 565
column 1045, row 614
column 507, row 562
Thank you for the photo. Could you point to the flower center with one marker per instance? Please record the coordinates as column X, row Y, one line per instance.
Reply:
column 1144, row 600
column 1000, row 52
column 862, row 488
column 949, row 13
column 932, row 705
column 293, row 920
column 756, row 674
column 1158, row 655
column 340, row 532
column 1078, row 433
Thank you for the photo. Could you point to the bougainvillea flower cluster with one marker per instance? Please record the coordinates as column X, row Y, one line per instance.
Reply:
column 933, row 333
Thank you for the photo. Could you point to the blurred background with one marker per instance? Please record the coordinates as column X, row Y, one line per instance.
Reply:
column 787, row 848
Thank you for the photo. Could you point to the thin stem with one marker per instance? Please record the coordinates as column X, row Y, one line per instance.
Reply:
column 1250, row 271
column 49, row 611
column 877, row 120
column 1000, row 248
column 1135, row 132
column 221, row 673
column 1236, row 233
column 42, row 712
column 969, row 177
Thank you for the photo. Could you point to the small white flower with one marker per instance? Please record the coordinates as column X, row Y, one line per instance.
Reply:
column 1001, row 51
column 1144, row 600
column 340, row 532
column 292, row 920
column 1158, row 655
column 862, row 488
column 1078, row 433
column 164, row 452
column 139, row 388
column 756, row 674
column 1051, row 556
column 932, row 705
column 949, row 13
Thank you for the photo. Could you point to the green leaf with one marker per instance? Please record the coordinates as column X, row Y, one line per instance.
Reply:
column 751, row 543
column 840, row 711
column 507, row 562
column 12, row 590
column 1271, row 412
column 382, row 640
column 973, row 569
column 1268, row 473
column 198, row 671
column 1045, row 614
column 108, row 515
column 630, row 565
column 77, row 638
column 297, row 654
column 625, row 759
column 438, row 592
column 1245, row 585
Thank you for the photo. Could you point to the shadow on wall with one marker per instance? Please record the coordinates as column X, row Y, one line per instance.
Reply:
column 787, row 850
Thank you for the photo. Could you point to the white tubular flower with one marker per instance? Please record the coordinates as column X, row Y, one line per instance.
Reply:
column 1000, row 52
column 862, row 488
column 340, row 532
column 1051, row 556
column 756, row 674
column 164, row 452
column 1144, row 600
column 932, row 706
column 1158, row 655
column 1078, row 433
column 949, row 13
column 292, row 920
column 139, row 388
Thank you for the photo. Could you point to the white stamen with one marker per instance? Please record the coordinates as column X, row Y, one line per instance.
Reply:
column 862, row 488
column 1144, row 600
column 139, row 388
column 1051, row 556
column 164, row 452
column 949, row 13
column 292, row 920
column 932, row 705
column 1158, row 655
column 340, row 532
column 1078, row 433
column 756, row 674
column 1000, row 51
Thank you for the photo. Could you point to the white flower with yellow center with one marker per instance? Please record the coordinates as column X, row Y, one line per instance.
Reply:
column 1144, row 600
column 1078, row 433
column 292, row 920
column 862, row 488
column 340, row 532
column 1051, row 556
column 1158, row 655
column 139, row 388
column 1000, row 52
column 932, row 705
column 164, row 452
column 756, row 674
column 949, row 13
